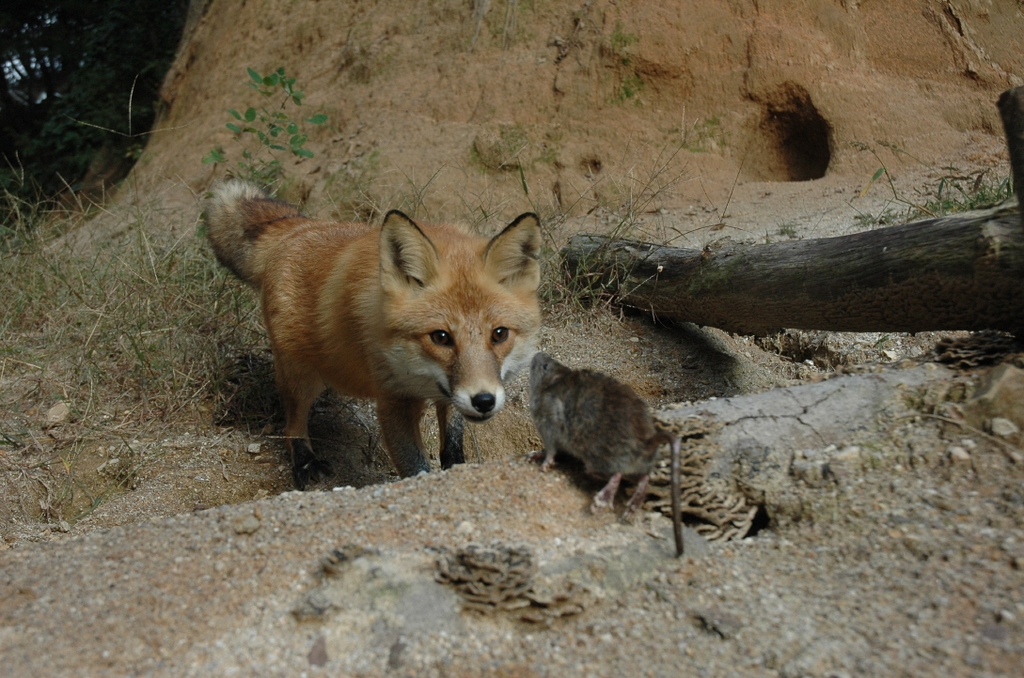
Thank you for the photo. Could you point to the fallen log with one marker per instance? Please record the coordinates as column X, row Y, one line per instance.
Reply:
column 962, row 272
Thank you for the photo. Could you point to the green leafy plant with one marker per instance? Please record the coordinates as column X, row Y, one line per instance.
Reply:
column 619, row 49
column 957, row 191
column 631, row 87
column 266, row 131
column 704, row 135
column 961, row 191
column 787, row 229
column 621, row 41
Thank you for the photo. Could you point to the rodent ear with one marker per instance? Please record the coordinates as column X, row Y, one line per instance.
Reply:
column 407, row 256
column 547, row 370
column 512, row 255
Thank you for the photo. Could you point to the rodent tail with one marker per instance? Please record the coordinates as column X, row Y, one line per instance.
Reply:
column 236, row 215
column 675, row 447
column 677, row 508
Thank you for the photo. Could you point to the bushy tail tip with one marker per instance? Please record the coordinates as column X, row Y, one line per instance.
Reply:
column 229, row 216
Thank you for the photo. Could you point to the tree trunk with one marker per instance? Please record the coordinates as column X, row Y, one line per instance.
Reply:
column 963, row 272
column 1011, row 110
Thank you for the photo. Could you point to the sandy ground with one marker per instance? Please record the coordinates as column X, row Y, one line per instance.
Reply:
column 912, row 568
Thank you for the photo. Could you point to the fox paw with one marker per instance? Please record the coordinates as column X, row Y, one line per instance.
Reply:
column 310, row 472
column 306, row 468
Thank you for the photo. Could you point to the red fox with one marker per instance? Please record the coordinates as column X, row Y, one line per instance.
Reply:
column 405, row 314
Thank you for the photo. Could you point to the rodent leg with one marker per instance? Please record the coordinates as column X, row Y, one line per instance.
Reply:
column 637, row 500
column 546, row 457
column 604, row 499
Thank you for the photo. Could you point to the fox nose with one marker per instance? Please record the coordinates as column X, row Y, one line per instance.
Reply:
column 483, row 402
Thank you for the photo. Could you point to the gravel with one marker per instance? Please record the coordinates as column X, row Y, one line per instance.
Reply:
column 917, row 571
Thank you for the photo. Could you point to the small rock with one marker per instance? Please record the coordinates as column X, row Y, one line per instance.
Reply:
column 58, row 413
column 958, row 455
column 465, row 528
column 811, row 472
column 318, row 653
column 395, row 654
column 846, row 464
column 116, row 467
column 920, row 547
column 339, row 558
column 313, row 606
column 254, row 448
column 245, row 524
column 940, row 501
column 995, row 631
column 849, row 453
column 999, row 395
column 1003, row 427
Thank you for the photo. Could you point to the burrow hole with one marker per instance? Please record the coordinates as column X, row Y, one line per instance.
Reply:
column 798, row 135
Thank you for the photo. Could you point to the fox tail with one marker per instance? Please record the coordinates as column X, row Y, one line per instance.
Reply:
column 236, row 214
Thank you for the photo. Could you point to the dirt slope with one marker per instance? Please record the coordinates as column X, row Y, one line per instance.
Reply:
column 458, row 95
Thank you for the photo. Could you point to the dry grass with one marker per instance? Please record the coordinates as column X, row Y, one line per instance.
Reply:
column 145, row 337
column 137, row 333
column 623, row 207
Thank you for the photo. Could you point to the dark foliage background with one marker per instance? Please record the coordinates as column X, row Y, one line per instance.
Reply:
column 66, row 96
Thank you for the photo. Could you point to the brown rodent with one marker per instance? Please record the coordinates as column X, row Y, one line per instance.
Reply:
column 604, row 424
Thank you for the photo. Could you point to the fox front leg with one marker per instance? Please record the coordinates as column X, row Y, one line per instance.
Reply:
column 400, row 425
column 305, row 465
column 298, row 393
column 450, row 424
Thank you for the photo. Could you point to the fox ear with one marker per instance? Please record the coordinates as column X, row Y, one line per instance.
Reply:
column 407, row 257
column 511, row 256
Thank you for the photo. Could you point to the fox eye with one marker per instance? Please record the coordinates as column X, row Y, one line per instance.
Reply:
column 442, row 338
column 499, row 335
